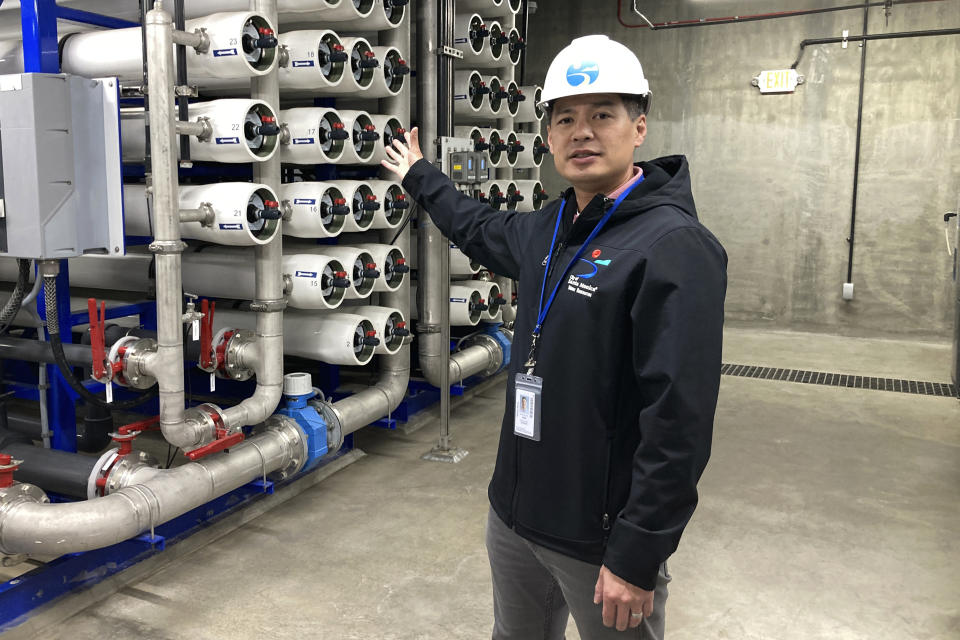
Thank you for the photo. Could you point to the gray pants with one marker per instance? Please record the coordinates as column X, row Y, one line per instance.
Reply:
column 535, row 589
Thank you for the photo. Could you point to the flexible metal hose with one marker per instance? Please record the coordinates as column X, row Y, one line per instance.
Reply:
column 13, row 304
column 56, row 345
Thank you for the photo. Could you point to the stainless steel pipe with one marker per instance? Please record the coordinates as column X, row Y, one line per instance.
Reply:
column 147, row 497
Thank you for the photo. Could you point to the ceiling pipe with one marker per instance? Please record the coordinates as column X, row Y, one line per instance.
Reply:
column 775, row 15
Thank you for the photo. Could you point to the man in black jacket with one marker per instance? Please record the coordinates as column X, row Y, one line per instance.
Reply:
column 615, row 366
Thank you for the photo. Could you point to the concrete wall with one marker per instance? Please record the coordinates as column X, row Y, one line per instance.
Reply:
column 773, row 174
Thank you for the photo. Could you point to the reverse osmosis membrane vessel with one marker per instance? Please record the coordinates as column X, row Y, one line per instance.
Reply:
column 345, row 339
column 237, row 130
column 319, row 209
column 530, row 150
column 241, row 44
column 390, row 325
column 533, row 195
column 490, row 293
column 364, row 138
column 360, row 73
column 393, row 204
column 238, row 213
column 315, row 60
column 392, row 76
column 359, row 265
column 392, row 264
column 316, row 135
column 363, row 204
column 460, row 264
column 311, row 281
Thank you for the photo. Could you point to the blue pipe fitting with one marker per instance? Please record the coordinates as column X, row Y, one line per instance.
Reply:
column 493, row 330
column 311, row 423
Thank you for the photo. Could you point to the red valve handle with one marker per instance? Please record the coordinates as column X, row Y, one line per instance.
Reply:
column 338, row 47
column 401, row 130
column 6, row 474
column 369, row 127
column 401, row 261
column 371, row 334
column 97, row 338
column 271, row 203
column 369, row 54
column 371, row 265
column 267, row 119
column 150, row 424
column 401, row 196
column 340, row 274
column 223, row 441
column 338, row 125
column 340, row 201
column 206, row 333
column 222, row 350
column 371, row 197
column 402, row 62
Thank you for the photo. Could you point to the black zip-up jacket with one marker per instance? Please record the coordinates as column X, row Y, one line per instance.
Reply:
column 630, row 360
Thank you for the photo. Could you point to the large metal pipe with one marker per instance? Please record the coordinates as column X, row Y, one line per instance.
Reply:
column 142, row 497
column 166, row 364
column 52, row 470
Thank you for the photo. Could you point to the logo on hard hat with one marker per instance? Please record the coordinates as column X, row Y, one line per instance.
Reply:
column 587, row 72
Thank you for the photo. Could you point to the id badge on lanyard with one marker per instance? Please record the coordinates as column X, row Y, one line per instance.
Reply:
column 526, row 413
column 528, row 388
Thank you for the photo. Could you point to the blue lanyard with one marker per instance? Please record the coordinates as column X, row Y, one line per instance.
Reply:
column 544, row 310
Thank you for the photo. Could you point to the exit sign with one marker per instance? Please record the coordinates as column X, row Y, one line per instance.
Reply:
column 778, row 81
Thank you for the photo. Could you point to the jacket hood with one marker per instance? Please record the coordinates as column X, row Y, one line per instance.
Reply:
column 666, row 182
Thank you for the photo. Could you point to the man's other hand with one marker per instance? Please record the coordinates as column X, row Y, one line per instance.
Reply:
column 624, row 605
column 402, row 156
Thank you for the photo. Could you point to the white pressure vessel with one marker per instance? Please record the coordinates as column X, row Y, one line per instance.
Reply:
column 469, row 96
column 530, row 150
column 392, row 265
column 495, row 54
column 317, row 135
column 477, row 135
column 359, row 265
column 347, row 10
column 241, row 130
column 386, row 14
column 467, row 304
column 311, row 281
column 363, row 204
column 319, row 209
column 316, row 59
column 470, row 36
column 490, row 293
column 497, row 98
column 393, row 204
column 499, row 150
column 393, row 75
column 242, row 45
column 361, row 72
column 364, row 138
column 514, row 197
column 389, row 323
column 514, row 98
column 245, row 213
column 529, row 110
column 494, row 193
column 514, row 47
column 346, row 339
column 460, row 264
column 533, row 195
column 390, row 129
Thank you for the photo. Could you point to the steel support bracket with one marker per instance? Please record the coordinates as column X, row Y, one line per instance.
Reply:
column 449, row 52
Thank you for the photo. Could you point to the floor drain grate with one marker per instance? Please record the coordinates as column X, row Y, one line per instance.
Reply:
column 918, row 387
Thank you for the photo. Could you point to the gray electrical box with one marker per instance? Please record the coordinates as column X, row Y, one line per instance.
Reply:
column 61, row 182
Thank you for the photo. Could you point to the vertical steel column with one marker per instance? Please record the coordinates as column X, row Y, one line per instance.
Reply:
column 435, row 74
column 38, row 23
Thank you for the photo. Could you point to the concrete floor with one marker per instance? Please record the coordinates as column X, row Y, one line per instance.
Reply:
column 825, row 513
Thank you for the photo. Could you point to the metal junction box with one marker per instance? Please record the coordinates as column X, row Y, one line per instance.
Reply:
column 61, row 187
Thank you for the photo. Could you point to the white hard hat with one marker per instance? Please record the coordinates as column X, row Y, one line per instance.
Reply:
column 594, row 64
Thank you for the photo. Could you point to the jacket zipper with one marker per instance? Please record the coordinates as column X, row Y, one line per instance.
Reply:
column 516, row 480
column 606, row 492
